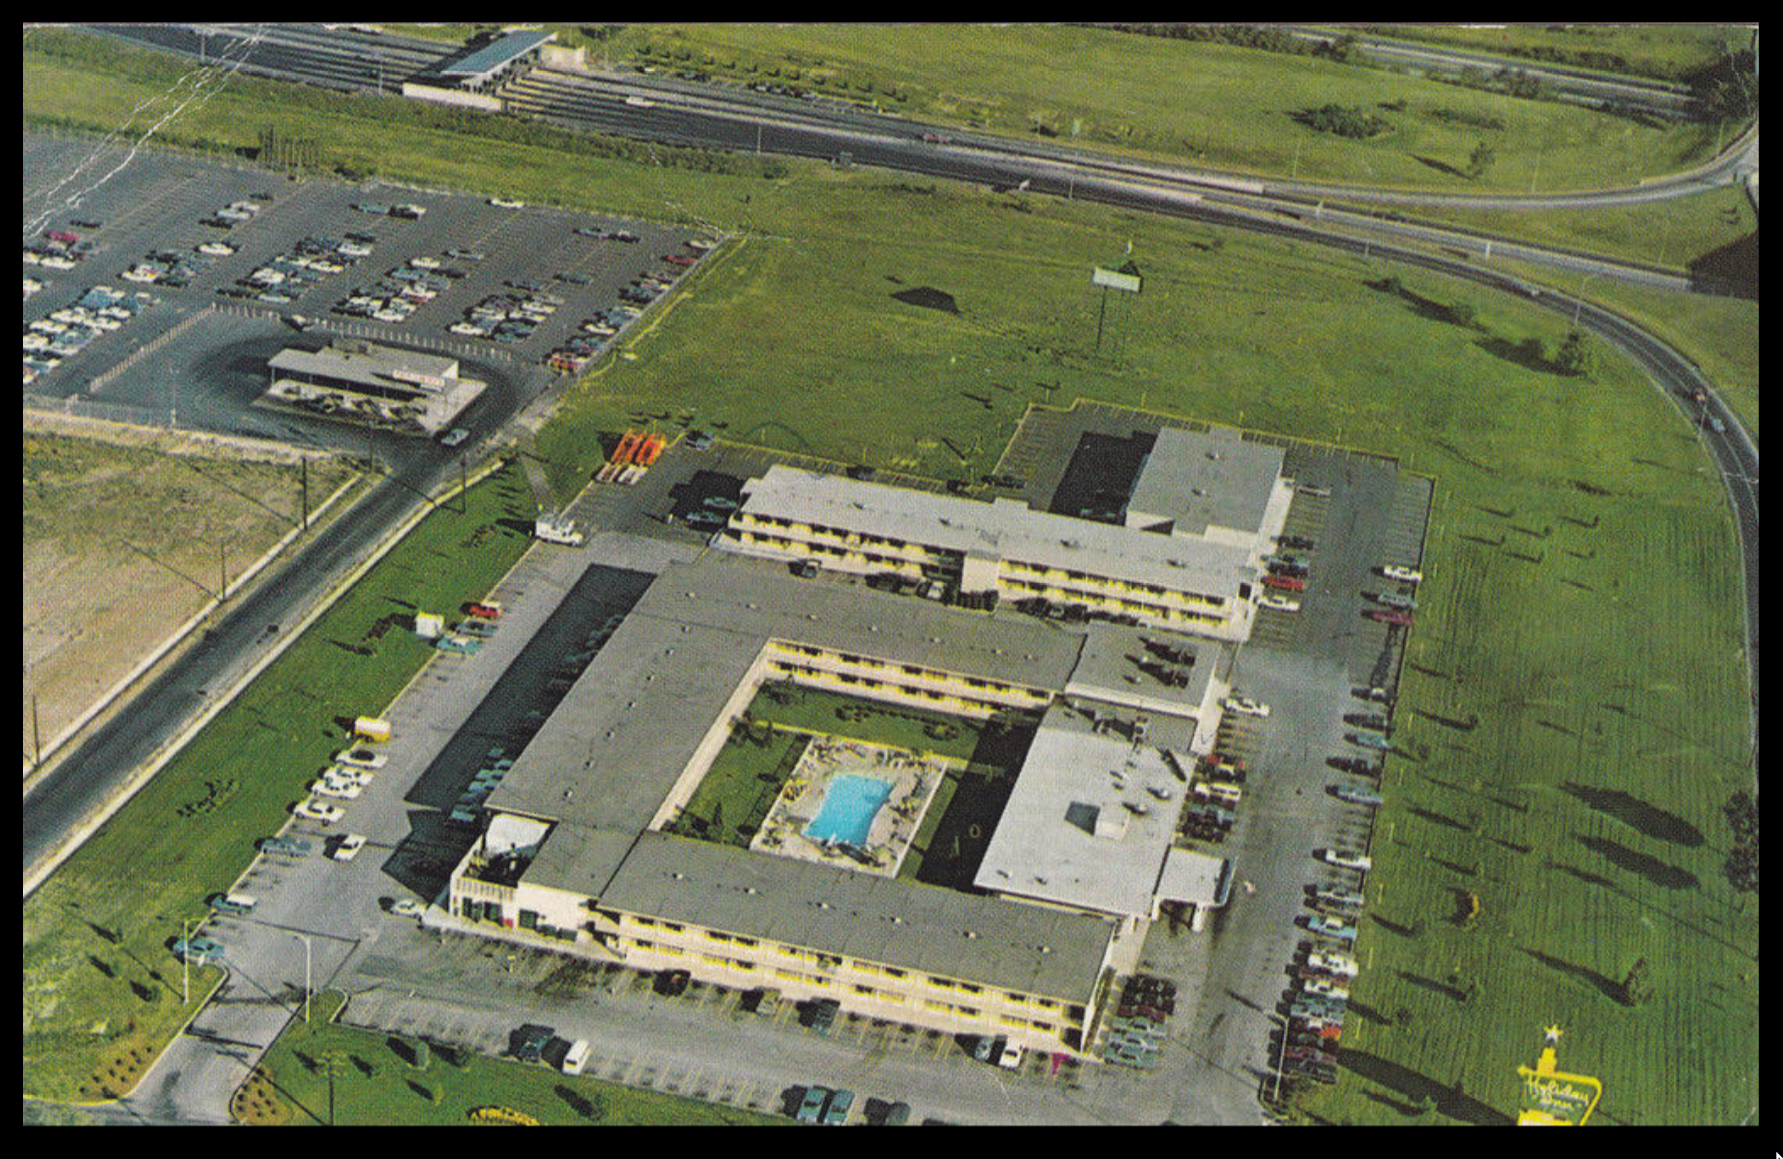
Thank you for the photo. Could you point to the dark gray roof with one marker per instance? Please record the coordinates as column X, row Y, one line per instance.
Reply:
column 968, row 937
column 626, row 730
column 496, row 54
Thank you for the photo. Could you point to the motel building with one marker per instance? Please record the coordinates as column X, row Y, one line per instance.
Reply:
column 1199, row 519
column 581, row 849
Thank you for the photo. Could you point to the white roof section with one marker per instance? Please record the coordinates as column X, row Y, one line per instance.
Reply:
column 508, row 833
column 1197, row 480
column 1197, row 878
column 1007, row 529
column 1089, row 821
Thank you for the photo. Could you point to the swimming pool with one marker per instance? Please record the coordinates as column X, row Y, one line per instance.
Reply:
column 849, row 806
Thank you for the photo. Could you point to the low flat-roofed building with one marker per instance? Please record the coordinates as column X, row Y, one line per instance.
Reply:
column 1004, row 547
column 365, row 368
column 1213, row 485
column 1092, row 815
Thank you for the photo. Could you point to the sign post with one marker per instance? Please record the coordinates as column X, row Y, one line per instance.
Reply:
column 1126, row 279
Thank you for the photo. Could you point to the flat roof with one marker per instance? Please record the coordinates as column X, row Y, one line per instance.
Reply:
column 1200, row 479
column 381, row 366
column 1008, row 529
column 1089, row 822
column 1128, row 665
column 496, row 53
column 627, row 729
column 1034, row 949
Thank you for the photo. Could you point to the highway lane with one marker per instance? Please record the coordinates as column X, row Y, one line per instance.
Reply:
column 1636, row 92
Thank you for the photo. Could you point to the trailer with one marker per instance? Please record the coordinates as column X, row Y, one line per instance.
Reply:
column 371, row 728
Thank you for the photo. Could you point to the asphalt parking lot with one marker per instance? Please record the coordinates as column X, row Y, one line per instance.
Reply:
column 159, row 202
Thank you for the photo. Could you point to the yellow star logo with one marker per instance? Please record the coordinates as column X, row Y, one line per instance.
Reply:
column 1553, row 1033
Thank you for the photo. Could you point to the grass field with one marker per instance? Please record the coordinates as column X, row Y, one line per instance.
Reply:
column 99, row 983
column 1582, row 600
column 377, row 1083
column 1219, row 105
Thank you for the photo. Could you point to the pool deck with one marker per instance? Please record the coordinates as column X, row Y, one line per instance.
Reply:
column 915, row 777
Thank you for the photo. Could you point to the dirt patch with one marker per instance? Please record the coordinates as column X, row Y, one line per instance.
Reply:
column 127, row 537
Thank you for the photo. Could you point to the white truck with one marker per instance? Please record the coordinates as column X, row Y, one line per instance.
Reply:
column 555, row 530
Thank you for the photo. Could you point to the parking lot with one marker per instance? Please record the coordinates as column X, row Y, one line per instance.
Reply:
column 291, row 257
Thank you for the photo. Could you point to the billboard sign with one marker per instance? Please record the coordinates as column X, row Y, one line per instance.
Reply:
column 1115, row 280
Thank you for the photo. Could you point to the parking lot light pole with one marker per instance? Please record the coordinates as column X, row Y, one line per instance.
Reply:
column 1281, row 1056
column 186, row 964
column 305, row 938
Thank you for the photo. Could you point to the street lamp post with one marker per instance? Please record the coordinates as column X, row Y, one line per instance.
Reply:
column 305, row 938
column 1281, row 1057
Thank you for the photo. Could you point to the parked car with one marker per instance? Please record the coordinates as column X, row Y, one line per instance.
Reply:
column 317, row 811
column 198, row 951
column 1245, row 706
column 348, row 847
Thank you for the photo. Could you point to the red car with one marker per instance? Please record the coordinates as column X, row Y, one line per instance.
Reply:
column 1403, row 619
column 1286, row 583
column 484, row 610
column 679, row 259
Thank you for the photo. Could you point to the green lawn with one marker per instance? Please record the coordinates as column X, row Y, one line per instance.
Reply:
column 98, row 979
column 377, row 1083
column 741, row 785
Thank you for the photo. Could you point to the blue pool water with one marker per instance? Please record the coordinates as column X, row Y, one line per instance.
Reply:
column 849, row 805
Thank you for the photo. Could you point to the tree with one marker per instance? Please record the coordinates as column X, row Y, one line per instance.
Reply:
column 1638, row 986
column 1571, row 357
column 1481, row 160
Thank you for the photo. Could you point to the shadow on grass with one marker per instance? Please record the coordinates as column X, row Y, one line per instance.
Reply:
column 1438, row 818
column 1452, row 993
column 1440, row 166
column 1637, row 814
column 1530, row 354
column 1608, row 988
column 1660, row 873
column 1450, row 1101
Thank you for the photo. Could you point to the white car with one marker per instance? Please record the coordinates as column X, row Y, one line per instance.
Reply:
column 1245, row 705
column 1347, row 860
column 454, row 436
column 1410, row 575
column 1278, row 603
column 363, row 757
column 425, row 263
column 348, row 775
column 317, row 811
column 506, row 203
column 1340, row 964
column 469, row 329
column 349, row 847
column 135, row 274
column 406, row 907
column 216, row 249
column 340, row 790
column 1323, row 989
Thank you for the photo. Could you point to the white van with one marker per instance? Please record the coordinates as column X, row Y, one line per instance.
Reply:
column 577, row 1058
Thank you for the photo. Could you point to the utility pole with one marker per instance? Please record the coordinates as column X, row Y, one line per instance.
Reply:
column 304, row 485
